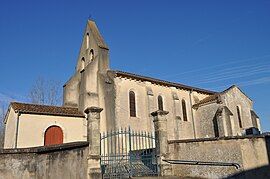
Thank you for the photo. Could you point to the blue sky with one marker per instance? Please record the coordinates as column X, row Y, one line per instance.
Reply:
column 209, row 44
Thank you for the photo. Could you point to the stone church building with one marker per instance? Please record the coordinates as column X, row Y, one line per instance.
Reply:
column 127, row 100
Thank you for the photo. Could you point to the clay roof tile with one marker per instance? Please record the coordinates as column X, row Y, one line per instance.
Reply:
column 46, row 110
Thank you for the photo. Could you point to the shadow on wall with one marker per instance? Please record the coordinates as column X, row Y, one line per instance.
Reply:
column 260, row 172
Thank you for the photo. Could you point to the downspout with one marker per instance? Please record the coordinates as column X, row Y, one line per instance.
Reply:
column 192, row 115
column 17, row 130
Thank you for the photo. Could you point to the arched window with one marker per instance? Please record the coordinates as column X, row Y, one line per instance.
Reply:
column 83, row 62
column 53, row 136
column 239, row 117
column 184, row 109
column 87, row 40
column 160, row 103
column 132, row 104
column 215, row 124
column 91, row 55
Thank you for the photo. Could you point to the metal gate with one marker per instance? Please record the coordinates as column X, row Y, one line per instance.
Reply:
column 126, row 153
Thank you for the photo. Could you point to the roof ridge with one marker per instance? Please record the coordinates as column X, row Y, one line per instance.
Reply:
column 45, row 105
column 180, row 85
column 235, row 86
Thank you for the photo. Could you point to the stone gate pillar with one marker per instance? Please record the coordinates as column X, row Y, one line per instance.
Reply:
column 161, row 140
column 93, row 137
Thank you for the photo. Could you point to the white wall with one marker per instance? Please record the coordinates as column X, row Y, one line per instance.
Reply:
column 32, row 129
column 10, row 129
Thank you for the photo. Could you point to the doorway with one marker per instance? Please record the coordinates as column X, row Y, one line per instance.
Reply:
column 53, row 136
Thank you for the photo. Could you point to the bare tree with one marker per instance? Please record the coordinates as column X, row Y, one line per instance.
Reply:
column 3, row 110
column 45, row 92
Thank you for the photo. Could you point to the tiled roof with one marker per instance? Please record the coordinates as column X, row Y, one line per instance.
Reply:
column 216, row 96
column 208, row 99
column 46, row 110
column 160, row 82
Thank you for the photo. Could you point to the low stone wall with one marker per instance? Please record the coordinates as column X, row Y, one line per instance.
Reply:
column 249, row 152
column 61, row 161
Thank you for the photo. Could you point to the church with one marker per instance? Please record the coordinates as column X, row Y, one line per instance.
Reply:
column 127, row 101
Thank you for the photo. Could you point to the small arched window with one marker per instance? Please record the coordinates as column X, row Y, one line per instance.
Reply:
column 160, row 103
column 132, row 104
column 239, row 116
column 184, row 109
column 87, row 40
column 91, row 55
column 83, row 62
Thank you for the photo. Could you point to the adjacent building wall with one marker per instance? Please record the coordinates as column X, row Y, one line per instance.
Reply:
column 32, row 128
column 67, row 161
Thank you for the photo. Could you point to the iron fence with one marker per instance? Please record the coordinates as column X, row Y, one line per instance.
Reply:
column 126, row 153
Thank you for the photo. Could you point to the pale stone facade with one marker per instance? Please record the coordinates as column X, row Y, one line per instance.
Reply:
column 193, row 112
column 94, row 84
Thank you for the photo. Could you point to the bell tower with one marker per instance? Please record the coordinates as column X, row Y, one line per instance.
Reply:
column 93, row 47
column 83, row 89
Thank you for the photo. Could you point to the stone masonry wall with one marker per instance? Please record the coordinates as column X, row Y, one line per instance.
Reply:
column 204, row 120
column 249, row 152
column 62, row 161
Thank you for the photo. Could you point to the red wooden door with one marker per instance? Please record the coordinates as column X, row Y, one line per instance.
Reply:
column 53, row 135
